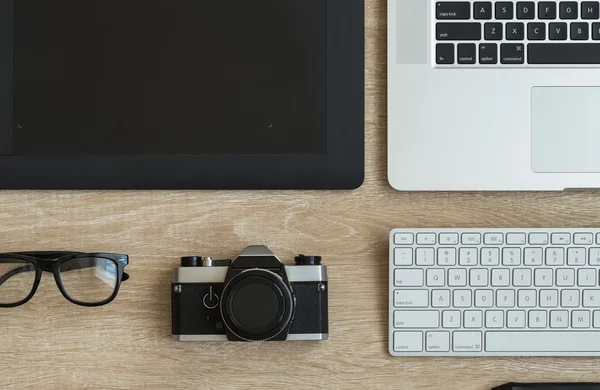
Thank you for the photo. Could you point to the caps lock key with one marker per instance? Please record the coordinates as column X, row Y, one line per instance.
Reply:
column 453, row 10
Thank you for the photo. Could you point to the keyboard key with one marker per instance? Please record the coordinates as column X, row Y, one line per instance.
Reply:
column 408, row 277
column 560, row 238
column 511, row 256
column 467, row 53
column 556, row 32
column 555, row 256
column 546, row 10
column 542, row 277
column 425, row 256
column 580, row 319
column 451, row 319
column 569, row 298
column 505, row 298
column 512, row 53
column 590, row 10
column 536, row 31
column 565, row 277
column 492, row 32
column 448, row 238
column 500, row 277
column 467, row 256
column 559, row 319
column 522, row 277
column 586, row 277
column 466, row 341
column 494, row 319
column 504, row 10
column 526, row 298
column 591, row 298
column 426, row 238
column 568, row 10
column 457, row 277
column 580, row 31
column 598, row 234
column 478, row 277
column 594, row 258
column 488, row 53
column 405, row 238
column 453, row 10
column 411, row 298
column 596, row 323
column 567, row 53
column 408, row 341
column 490, row 256
column 537, row 319
column 541, row 341
column 462, row 298
column 446, row 256
column 533, row 256
column 525, row 10
column 482, row 10
column 473, row 319
column 440, row 298
column 403, row 256
column 471, row 238
column 458, row 31
column 583, row 238
column 515, row 319
column 538, row 238
column 493, row 238
column 576, row 256
column 515, row 238
column 548, row 298
column 416, row 319
column 435, row 277
column 484, row 298
column 437, row 341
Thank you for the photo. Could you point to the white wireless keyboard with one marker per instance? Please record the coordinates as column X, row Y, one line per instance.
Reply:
column 494, row 292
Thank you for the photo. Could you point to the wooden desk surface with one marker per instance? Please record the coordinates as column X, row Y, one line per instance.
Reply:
column 51, row 343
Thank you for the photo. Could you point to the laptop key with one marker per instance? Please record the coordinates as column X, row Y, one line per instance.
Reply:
column 504, row 10
column 590, row 10
column 453, row 10
column 536, row 31
column 515, row 31
column 596, row 31
column 546, row 10
column 488, row 53
column 492, row 31
column 579, row 32
column 458, row 31
column 525, row 10
column 557, row 31
column 444, row 53
column 512, row 53
column 563, row 53
column 568, row 10
column 482, row 10
column 466, row 53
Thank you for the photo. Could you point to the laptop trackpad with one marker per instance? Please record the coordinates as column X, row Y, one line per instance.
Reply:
column 565, row 129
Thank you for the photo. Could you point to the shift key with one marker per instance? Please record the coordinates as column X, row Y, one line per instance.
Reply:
column 458, row 31
column 453, row 10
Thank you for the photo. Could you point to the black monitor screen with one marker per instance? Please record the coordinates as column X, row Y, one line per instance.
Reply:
column 172, row 77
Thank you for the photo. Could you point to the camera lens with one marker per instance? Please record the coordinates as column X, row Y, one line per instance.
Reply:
column 257, row 305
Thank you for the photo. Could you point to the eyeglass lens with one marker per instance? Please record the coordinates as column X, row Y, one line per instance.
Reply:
column 17, row 278
column 89, row 279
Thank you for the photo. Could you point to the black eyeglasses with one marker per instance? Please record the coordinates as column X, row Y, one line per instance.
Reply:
column 86, row 279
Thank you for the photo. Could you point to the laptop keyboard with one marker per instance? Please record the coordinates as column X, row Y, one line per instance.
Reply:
column 538, row 33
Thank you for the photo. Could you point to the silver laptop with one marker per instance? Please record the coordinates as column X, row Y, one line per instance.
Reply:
column 493, row 95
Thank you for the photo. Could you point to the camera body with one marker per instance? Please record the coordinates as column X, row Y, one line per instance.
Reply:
column 252, row 298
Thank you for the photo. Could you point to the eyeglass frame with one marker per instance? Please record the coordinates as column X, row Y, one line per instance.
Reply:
column 50, row 261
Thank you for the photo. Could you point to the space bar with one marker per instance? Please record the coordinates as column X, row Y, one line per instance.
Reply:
column 542, row 341
column 563, row 53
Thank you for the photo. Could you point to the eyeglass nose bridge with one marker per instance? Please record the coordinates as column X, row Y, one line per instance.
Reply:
column 46, row 264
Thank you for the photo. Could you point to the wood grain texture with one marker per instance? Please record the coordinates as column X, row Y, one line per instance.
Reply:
column 50, row 343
